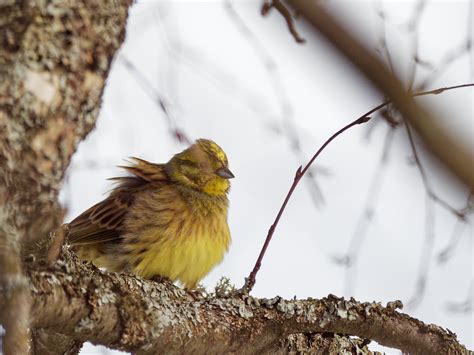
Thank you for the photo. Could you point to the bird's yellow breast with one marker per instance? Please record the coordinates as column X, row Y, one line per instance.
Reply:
column 182, row 243
column 187, row 258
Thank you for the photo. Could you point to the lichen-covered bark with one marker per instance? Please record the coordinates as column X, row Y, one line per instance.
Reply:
column 322, row 343
column 54, row 59
column 128, row 313
column 50, row 343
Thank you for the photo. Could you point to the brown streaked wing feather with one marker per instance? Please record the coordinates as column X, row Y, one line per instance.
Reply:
column 146, row 170
column 102, row 222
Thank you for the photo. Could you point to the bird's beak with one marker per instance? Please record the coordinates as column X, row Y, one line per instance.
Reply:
column 225, row 173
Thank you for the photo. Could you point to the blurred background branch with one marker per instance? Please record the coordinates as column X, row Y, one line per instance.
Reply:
column 444, row 146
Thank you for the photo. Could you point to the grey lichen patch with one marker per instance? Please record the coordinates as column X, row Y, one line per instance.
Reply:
column 224, row 288
column 308, row 311
column 252, row 301
column 337, row 308
column 342, row 313
column 232, row 306
column 269, row 303
column 286, row 307
column 244, row 311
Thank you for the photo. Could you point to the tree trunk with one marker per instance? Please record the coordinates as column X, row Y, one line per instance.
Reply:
column 54, row 59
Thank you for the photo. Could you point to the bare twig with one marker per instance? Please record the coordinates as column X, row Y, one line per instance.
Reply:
column 285, row 12
column 168, row 35
column 413, row 27
column 441, row 90
column 415, row 18
column 453, row 153
column 350, row 259
column 470, row 38
column 461, row 223
column 208, row 68
column 447, row 252
column 282, row 97
column 176, row 132
column 383, row 46
column 251, row 279
column 217, row 75
column 431, row 199
column 426, row 255
column 448, row 59
column 424, row 177
column 466, row 305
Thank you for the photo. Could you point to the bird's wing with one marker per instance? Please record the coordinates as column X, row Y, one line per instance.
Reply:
column 145, row 170
column 103, row 221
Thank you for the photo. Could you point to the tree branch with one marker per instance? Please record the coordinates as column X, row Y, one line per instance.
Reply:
column 443, row 145
column 283, row 10
column 131, row 314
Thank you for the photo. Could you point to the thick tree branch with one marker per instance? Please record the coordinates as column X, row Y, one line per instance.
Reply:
column 127, row 313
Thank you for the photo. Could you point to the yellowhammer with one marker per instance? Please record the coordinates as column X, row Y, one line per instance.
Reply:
column 164, row 220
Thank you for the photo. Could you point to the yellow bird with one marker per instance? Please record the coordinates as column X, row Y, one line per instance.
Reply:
column 163, row 220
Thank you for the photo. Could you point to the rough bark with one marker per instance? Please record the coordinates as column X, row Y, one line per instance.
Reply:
column 50, row 343
column 54, row 58
column 323, row 343
column 131, row 314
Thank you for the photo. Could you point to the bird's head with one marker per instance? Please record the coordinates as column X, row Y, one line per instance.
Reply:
column 203, row 166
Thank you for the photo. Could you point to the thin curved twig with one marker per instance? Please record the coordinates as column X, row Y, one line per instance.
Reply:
column 251, row 279
column 285, row 12
column 349, row 260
